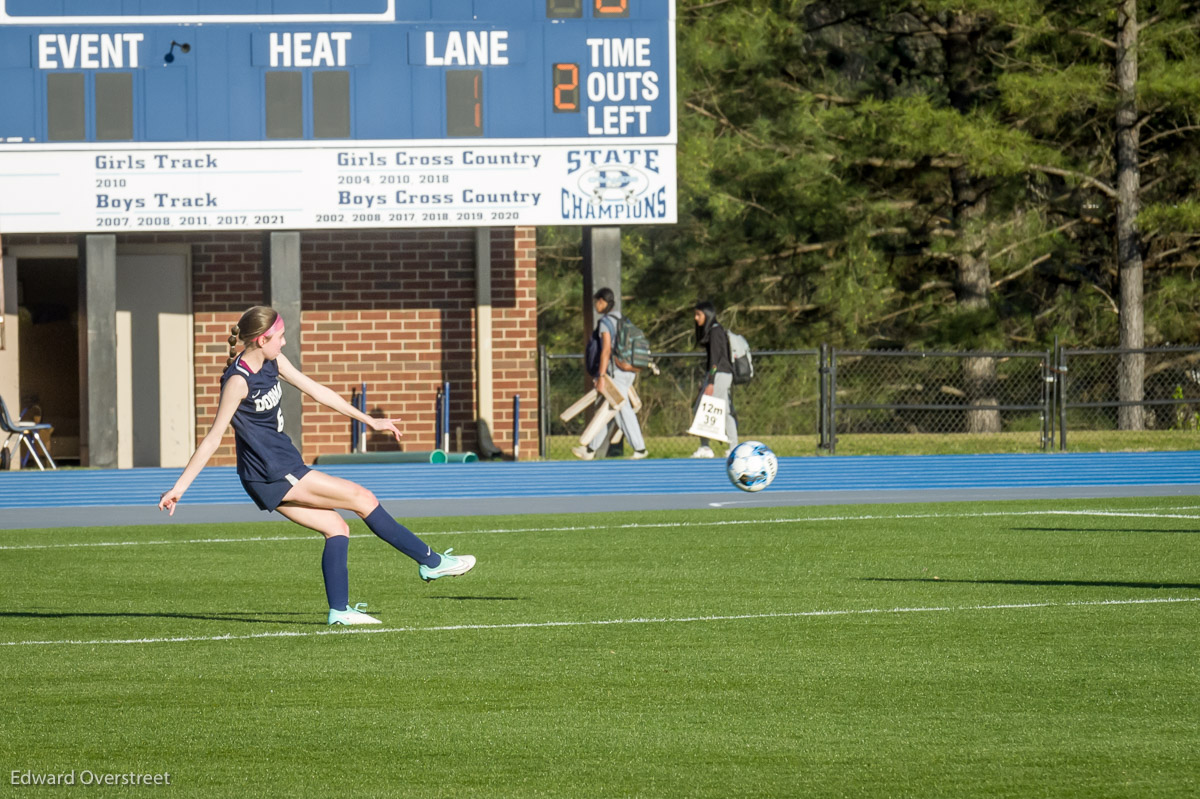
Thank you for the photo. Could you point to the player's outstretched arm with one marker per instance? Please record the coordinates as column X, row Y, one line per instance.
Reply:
column 331, row 399
column 232, row 395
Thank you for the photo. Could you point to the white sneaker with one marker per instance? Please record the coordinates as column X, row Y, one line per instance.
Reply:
column 352, row 615
column 703, row 452
column 450, row 566
column 638, row 454
column 583, row 453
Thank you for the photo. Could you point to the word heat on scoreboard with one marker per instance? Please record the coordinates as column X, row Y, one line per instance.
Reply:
column 152, row 115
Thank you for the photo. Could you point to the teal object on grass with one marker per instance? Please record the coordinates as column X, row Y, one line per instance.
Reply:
column 428, row 456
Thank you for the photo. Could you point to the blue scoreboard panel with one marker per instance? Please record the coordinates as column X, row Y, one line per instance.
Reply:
column 290, row 114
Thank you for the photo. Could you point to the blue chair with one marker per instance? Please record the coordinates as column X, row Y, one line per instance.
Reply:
column 27, row 433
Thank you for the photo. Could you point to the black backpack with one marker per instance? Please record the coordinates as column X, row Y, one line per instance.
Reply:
column 591, row 356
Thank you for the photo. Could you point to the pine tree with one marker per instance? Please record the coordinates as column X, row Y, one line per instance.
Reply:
column 939, row 175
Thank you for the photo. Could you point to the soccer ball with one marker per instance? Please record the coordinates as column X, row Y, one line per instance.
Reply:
column 751, row 466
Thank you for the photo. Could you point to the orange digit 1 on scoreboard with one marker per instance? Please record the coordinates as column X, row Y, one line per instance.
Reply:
column 464, row 102
column 565, row 80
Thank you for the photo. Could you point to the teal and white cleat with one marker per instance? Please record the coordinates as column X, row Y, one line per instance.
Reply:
column 451, row 566
column 352, row 615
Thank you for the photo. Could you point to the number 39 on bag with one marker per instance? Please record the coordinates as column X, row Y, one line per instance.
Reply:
column 710, row 419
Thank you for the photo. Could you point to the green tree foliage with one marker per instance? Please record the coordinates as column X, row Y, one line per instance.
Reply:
column 880, row 173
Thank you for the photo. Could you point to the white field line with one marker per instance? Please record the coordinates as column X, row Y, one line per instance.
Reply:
column 640, row 526
column 604, row 622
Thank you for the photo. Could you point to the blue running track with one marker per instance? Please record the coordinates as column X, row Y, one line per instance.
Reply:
column 220, row 486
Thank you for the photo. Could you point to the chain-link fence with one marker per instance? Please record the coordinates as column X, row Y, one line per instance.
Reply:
column 890, row 401
column 1166, row 413
column 894, row 402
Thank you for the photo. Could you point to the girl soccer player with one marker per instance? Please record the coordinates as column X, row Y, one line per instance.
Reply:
column 275, row 476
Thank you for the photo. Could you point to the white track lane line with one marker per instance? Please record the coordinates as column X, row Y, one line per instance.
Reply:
column 603, row 622
column 641, row 526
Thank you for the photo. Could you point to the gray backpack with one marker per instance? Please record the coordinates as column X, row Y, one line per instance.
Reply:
column 739, row 357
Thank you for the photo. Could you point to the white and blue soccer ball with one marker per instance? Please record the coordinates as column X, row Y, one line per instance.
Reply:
column 751, row 466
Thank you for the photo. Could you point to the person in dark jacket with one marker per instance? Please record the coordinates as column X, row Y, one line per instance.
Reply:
column 718, row 371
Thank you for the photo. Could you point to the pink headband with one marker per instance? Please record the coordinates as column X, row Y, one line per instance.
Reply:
column 272, row 330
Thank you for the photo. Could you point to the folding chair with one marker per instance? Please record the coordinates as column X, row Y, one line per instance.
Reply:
column 27, row 433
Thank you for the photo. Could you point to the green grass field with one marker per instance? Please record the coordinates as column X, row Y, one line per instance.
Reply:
column 958, row 650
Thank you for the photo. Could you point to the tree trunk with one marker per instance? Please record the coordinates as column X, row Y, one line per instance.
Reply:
column 1132, row 367
column 973, row 284
column 974, row 273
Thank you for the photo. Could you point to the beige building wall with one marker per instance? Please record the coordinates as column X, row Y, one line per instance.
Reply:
column 155, row 372
column 9, row 354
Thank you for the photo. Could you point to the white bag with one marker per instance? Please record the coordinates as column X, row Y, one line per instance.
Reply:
column 710, row 419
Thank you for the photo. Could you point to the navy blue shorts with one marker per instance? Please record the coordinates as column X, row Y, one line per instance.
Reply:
column 267, row 496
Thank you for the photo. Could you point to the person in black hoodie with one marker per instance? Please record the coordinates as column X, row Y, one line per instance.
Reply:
column 718, row 371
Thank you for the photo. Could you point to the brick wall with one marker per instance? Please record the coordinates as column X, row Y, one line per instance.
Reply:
column 396, row 309
column 515, row 336
column 227, row 278
column 391, row 308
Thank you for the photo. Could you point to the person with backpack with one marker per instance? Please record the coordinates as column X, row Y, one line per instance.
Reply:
column 718, row 376
column 604, row 363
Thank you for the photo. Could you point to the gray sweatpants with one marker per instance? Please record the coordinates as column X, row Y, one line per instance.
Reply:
column 626, row 419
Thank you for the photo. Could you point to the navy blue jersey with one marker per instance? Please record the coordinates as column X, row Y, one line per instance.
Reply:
column 264, row 452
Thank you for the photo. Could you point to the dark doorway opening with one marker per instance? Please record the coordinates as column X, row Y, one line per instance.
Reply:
column 48, row 306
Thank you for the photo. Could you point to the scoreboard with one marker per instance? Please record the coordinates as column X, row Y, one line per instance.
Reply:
column 126, row 115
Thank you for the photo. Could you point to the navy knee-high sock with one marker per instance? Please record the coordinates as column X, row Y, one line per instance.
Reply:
column 333, row 566
column 399, row 536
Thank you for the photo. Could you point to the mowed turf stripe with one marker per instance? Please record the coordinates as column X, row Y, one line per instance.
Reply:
column 609, row 622
column 640, row 526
